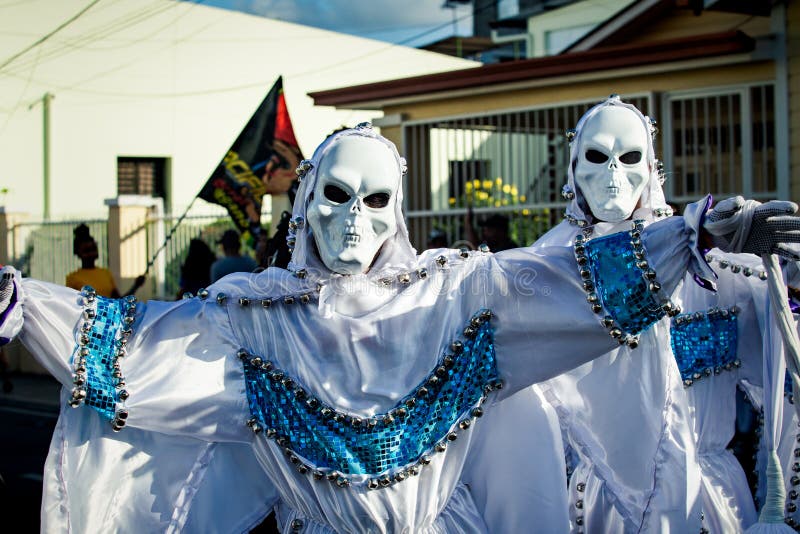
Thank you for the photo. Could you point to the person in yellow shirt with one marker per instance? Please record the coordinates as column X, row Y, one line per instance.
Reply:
column 85, row 247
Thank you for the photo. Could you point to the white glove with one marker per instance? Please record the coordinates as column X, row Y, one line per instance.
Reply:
column 739, row 225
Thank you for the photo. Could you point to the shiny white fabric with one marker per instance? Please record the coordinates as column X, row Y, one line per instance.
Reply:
column 727, row 500
column 185, row 379
column 360, row 347
column 637, row 458
column 637, row 469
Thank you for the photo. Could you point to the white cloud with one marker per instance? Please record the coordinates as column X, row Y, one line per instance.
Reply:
column 389, row 20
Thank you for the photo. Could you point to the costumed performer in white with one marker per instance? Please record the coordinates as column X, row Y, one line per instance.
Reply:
column 356, row 375
column 634, row 447
column 676, row 475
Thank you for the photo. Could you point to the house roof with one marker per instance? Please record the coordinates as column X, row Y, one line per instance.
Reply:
column 637, row 15
column 371, row 95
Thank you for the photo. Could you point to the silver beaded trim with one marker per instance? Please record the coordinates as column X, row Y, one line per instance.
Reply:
column 78, row 397
column 403, row 278
column 581, row 223
column 724, row 263
column 793, row 494
column 580, row 487
column 649, row 274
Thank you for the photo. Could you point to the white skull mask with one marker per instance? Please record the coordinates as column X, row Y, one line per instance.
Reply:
column 352, row 211
column 611, row 167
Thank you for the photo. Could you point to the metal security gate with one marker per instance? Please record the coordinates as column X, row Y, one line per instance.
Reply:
column 721, row 142
column 513, row 163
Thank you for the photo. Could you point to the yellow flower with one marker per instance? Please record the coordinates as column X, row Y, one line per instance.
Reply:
column 476, row 184
column 468, row 187
column 526, row 212
column 523, row 198
column 482, row 195
column 506, row 188
column 514, row 190
column 498, row 181
column 497, row 204
column 452, row 201
column 487, row 184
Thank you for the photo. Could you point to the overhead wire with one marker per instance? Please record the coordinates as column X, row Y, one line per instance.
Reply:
column 47, row 36
column 262, row 83
column 114, row 26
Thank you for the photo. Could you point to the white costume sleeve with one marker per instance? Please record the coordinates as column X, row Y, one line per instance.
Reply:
column 545, row 309
column 160, row 366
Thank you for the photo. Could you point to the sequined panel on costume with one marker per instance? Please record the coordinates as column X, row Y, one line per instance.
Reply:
column 99, row 354
column 704, row 343
column 620, row 282
column 445, row 401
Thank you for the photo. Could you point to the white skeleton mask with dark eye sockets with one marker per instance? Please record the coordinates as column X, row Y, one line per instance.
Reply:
column 611, row 169
column 352, row 213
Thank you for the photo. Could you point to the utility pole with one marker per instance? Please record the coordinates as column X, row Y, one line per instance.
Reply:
column 46, row 99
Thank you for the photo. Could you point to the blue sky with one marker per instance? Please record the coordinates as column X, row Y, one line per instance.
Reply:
column 408, row 22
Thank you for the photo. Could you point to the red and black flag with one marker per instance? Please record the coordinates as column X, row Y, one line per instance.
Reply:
column 261, row 161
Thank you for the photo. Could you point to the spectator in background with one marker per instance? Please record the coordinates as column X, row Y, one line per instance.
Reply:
column 233, row 262
column 494, row 232
column 196, row 268
column 437, row 239
column 85, row 247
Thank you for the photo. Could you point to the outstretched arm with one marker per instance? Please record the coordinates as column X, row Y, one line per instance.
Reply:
column 160, row 366
column 559, row 308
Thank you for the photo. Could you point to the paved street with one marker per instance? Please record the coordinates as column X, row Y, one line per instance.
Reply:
column 27, row 417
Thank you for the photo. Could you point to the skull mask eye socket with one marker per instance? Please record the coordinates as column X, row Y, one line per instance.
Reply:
column 595, row 156
column 377, row 200
column 335, row 194
column 631, row 158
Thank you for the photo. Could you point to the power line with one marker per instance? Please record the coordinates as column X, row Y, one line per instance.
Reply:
column 117, row 25
column 46, row 37
column 253, row 84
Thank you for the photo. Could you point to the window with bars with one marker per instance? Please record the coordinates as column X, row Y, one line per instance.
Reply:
column 142, row 176
column 720, row 142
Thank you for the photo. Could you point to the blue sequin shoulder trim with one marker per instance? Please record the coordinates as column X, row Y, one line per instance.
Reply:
column 705, row 343
column 104, row 333
column 329, row 444
column 620, row 283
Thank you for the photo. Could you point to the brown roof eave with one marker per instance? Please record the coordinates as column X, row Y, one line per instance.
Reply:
column 616, row 57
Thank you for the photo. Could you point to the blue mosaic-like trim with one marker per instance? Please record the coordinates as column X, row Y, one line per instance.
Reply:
column 101, row 344
column 705, row 343
column 387, row 447
column 620, row 282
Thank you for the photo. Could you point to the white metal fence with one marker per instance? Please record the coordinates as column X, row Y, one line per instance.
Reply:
column 43, row 250
column 512, row 162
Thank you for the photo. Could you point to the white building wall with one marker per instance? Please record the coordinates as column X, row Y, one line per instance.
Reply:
column 179, row 83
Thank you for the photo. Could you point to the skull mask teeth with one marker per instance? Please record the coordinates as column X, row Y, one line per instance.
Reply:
column 352, row 212
column 611, row 164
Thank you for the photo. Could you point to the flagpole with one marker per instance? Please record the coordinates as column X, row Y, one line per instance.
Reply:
column 169, row 236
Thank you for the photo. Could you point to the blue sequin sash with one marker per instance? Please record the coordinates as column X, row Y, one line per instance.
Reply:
column 704, row 343
column 96, row 359
column 338, row 444
column 619, row 272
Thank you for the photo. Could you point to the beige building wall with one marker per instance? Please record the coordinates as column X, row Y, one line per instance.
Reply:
column 793, row 53
column 574, row 89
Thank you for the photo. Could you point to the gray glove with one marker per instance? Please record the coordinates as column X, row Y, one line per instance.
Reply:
column 6, row 288
column 739, row 225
